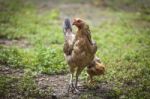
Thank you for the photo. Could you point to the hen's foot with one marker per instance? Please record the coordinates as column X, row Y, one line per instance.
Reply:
column 73, row 89
column 76, row 91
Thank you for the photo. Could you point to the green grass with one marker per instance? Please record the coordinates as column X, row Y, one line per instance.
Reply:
column 123, row 41
column 24, row 87
column 43, row 34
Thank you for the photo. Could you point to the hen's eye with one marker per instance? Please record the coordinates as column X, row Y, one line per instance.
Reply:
column 78, row 21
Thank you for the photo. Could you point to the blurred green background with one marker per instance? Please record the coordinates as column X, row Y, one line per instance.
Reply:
column 31, row 39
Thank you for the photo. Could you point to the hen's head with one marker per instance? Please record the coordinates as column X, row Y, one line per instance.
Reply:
column 79, row 23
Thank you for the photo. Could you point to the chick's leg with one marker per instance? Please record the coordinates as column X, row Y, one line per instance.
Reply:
column 91, row 79
column 88, row 78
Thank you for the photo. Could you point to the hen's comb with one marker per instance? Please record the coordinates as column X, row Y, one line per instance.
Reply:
column 75, row 19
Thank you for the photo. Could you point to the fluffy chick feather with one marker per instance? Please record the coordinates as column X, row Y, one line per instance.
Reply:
column 95, row 68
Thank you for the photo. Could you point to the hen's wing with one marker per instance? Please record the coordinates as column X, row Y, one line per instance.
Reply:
column 69, row 37
column 93, row 46
column 88, row 34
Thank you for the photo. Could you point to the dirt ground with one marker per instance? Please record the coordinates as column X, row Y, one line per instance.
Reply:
column 59, row 85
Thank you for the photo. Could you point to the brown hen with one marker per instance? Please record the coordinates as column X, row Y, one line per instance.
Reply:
column 79, row 49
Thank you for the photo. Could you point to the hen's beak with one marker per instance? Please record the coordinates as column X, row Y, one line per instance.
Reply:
column 74, row 23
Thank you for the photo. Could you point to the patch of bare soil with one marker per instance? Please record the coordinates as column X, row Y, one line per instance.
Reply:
column 20, row 43
column 57, row 82
column 7, row 71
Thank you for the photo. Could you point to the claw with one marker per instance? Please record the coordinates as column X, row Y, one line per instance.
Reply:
column 73, row 89
column 76, row 91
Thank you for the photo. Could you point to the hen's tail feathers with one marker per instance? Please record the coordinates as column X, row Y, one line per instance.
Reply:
column 67, row 26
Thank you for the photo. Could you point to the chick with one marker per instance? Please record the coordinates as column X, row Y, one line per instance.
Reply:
column 95, row 68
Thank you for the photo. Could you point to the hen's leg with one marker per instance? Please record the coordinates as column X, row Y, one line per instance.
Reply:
column 79, row 70
column 71, row 86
